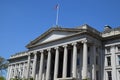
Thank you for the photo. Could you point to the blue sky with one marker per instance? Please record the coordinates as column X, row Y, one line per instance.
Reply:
column 21, row 21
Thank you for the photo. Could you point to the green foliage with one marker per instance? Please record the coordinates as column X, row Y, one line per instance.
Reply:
column 2, row 78
column 21, row 79
column 3, row 65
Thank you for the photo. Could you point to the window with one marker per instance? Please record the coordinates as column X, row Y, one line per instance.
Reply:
column 109, row 75
column 97, row 49
column 118, row 59
column 78, row 61
column 88, row 59
column 109, row 61
column 88, row 49
column 97, row 60
column 118, row 48
column 97, row 75
column 119, row 74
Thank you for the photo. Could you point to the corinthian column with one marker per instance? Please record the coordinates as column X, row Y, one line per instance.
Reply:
column 34, row 64
column 65, row 62
column 74, row 68
column 41, row 65
column 48, row 65
column 56, row 63
column 85, row 59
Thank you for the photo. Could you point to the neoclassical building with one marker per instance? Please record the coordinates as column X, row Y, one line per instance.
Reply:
column 70, row 54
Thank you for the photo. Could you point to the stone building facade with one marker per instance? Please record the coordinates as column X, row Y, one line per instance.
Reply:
column 70, row 54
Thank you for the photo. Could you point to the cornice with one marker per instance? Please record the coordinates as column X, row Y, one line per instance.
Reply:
column 51, row 30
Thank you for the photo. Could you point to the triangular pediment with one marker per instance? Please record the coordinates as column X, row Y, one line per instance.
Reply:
column 52, row 35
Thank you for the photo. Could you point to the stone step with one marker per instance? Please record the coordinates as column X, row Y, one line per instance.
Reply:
column 70, row 78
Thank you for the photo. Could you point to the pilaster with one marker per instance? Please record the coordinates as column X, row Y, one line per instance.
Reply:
column 113, row 62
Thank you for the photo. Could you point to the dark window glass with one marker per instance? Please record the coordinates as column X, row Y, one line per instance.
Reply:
column 109, row 75
column 118, row 48
column 96, row 60
column 97, row 75
column 88, row 49
column 118, row 59
column 88, row 60
column 78, row 61
column 109, row 61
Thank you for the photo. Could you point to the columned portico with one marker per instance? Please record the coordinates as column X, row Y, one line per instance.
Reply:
column 85, row 59
column 69, row 54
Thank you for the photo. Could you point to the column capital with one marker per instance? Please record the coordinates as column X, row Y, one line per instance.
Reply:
column 84, row 41
column 35, row 52
column 48, row 49
column 65, row 45
column 74, row 43
column 56, row 48
column 29, row 53
column 41, row 51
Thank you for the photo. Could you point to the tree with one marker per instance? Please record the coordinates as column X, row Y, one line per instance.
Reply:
column 3, row 65
column 2, row 78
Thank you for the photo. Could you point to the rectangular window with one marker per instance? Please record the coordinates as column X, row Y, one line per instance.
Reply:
column 118, row 48
column 88, row 49
column 88, row 60
column 118, row 59
column 97, row 75
column 109, row 61
column 97, row 49
column 96, row 60
column 78, row 61
column 119, row 75
column 109, row 75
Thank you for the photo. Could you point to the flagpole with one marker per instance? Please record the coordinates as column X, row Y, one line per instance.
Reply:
column 57, row 14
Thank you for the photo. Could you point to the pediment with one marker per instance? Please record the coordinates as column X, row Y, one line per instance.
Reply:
column 52, row 35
